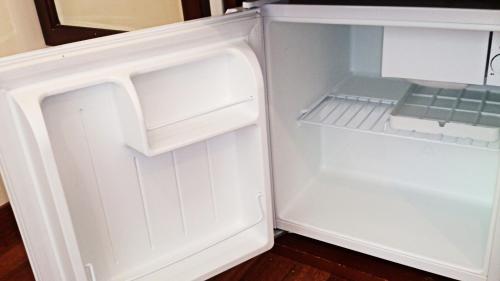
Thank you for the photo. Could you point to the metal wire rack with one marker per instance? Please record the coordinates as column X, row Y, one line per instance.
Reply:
column 373, row 115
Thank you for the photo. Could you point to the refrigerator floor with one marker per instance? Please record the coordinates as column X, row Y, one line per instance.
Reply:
column 391, row 217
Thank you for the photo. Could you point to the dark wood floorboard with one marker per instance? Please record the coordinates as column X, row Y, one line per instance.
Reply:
column 311, row 260
column 14, row 265
column 293, row 258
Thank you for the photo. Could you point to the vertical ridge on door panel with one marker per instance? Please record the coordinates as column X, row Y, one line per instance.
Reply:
column 119, row 186
column 162, row 198
column 145, row 205
column 211, row 181
column 194, row 183
column 222, row 158
column 98, row 187
column 75, row 164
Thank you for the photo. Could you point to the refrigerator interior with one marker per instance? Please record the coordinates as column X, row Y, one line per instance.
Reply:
column 342, row 174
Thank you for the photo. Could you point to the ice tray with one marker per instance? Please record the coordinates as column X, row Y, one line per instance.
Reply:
column 467, row 113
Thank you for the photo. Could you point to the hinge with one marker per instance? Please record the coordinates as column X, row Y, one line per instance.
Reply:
column 257, row 3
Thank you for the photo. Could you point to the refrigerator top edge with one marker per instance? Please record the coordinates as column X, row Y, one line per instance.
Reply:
column 431, row 17
column 464, row 4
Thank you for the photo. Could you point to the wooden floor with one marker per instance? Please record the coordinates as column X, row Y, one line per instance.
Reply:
column 293, row 258
column 14, row 265
column 297, row 258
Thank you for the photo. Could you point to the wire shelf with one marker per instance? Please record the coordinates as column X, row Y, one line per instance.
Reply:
column 372, row 115
column 353, row 112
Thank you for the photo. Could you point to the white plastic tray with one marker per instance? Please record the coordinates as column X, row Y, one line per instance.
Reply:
column 468, row 113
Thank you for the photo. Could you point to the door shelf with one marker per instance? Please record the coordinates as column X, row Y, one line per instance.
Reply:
column 201, row 114
column 167, row 137
column 375, row 115
column 457, row 113
column 191, row 100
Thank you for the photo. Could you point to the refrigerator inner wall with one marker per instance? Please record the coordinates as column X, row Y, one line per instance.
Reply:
column 342, row 175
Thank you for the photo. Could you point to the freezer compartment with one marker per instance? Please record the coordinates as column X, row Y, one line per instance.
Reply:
column 134, row 215
column 436, row 54
column 344, row 176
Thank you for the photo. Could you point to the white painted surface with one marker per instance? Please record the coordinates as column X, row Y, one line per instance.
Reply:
column 3, row 194
column 217, row 7
column 435, row 54
column 125, row 15
column 19, row 27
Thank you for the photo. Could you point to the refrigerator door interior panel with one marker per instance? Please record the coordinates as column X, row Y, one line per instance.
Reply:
column 144, row 154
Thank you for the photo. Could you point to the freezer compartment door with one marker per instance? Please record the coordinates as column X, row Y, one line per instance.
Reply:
column 445, row 55
column 146, row 152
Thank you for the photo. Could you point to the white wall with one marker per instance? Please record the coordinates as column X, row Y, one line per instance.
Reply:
column 3, row 194
column 19, row 32
column 19, row 27
column 119, row 14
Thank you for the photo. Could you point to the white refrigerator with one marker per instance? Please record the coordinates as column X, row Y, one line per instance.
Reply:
column 172, row 153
